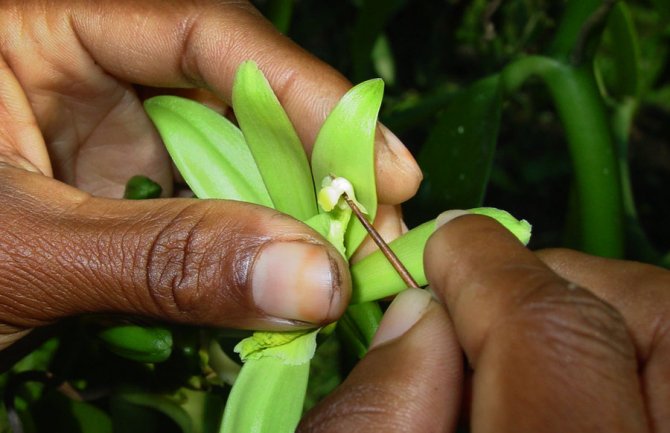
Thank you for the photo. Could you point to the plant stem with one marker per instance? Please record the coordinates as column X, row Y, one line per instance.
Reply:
column 576, row 29
column 582, row 112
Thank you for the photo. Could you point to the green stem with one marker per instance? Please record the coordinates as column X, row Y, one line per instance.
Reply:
column 580, row 22
column 358, row 325
column 596, row 171
column 280, row 13
column 638, row 245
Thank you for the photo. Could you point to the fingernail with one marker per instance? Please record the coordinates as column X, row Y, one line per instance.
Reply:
column 447, row 216
column 403, row 159
column 297, row 281
column 405, row 310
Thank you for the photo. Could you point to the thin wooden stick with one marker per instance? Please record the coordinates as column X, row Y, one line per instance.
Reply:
column 383, row 246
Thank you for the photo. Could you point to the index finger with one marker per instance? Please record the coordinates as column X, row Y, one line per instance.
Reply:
column 186, row 44
column 547, row 355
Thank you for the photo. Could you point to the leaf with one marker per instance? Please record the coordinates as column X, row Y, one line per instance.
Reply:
column 382, row 58
column 619, row 56
column 208, row 150
column 358, row 325
column 267, row 397
column 161, row 403
column 372, row 18
column 274, row 143
column 55, row 412
column 457, row 157
column 345, row 148
column 90, row 418
column 280, row 12
column 663, row 7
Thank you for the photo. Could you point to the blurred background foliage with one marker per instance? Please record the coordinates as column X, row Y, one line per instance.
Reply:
column 430, row 53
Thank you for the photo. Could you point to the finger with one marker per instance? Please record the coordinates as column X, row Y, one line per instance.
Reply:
column 205, row 262
column 641, row 293
column 68, row 118
column 21, row 143
column 409, row 381
column 547, row 355
column 196, row 44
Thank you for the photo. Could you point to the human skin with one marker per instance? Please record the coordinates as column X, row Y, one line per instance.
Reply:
column 555, row 341
column 73, row 131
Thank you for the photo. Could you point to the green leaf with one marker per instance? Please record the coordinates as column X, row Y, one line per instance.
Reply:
column 164, row 404
column 358, row 325
column 268, row 397
column 569, row 35
column 345, row 148
column 280, row 12
column 372, row 18
column 274, row 143
column 663, row 7
column 382, row 58
column 90, row 418
column 55, row 412
column 457, row 157
column 209, row 151
column 619, row 56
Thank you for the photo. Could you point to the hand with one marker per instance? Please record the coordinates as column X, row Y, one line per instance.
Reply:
column 69, row 115
column 555, row 341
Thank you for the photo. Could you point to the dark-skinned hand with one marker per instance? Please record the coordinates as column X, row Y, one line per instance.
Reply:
column 73, row 131
column 557, row 341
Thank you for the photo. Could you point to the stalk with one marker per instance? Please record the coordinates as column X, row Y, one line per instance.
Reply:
column 596, row 172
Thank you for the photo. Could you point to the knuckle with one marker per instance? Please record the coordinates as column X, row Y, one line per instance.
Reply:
column 195, row 258
column 175, row 259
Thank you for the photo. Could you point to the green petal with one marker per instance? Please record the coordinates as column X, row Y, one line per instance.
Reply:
column 274, row 143
column 345, row 148
column 292, row 347
column 208, row 150
column 519, row 228
column 267, row 397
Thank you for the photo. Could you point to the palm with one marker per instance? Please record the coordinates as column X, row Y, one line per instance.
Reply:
column 101, row 137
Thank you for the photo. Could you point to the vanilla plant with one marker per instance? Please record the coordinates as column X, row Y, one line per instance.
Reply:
column 263, row 162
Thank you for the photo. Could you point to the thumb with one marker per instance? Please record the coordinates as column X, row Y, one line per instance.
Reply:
column 220, row 263
column 409, row 381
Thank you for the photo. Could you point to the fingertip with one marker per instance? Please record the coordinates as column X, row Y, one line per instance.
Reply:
column 406, row 309
column 300, row 281
column 398, row 173
column 463, row 245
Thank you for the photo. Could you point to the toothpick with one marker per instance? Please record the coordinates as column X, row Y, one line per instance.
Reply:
column 383, row 246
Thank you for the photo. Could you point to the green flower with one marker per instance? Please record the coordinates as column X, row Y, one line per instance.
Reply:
column 263, row 162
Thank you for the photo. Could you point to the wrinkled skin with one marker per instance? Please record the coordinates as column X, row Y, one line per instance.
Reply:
column 557, row 341
column 73, row 131
column 554, row 341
